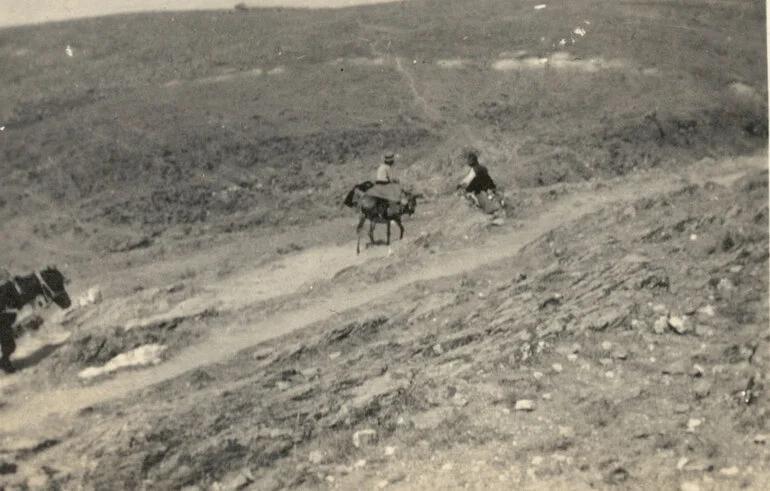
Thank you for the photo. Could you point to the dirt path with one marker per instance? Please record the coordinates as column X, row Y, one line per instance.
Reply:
column 30, row 411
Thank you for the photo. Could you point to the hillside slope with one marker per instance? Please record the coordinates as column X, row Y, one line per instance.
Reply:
column 628, row 346
column 187, row 124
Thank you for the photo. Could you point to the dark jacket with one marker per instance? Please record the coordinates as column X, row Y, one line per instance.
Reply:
column 482, row 181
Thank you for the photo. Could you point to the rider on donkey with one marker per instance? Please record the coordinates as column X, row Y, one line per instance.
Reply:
column 385, row 185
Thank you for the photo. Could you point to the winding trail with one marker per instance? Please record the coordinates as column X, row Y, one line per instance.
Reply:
column 28, row 412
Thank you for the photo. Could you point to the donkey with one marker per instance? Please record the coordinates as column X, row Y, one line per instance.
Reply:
column 379, row 210
column 23, row 290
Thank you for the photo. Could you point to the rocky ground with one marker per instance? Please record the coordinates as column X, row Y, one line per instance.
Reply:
column 623, row 347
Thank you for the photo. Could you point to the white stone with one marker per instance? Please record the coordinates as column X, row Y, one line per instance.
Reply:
column 689, row 486
column 730, row 471
column 679, row 324
column 315, row 457
column 149, row 354
column 524, row 405
column 364, row 437
column 693, row 423
column 91, row 297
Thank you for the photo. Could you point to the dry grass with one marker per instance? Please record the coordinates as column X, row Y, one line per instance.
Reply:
column 130, row 152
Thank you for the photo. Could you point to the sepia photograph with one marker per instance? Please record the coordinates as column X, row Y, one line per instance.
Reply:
column 384, row 245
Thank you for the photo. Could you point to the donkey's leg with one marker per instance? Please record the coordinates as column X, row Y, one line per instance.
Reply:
column 7, row 341
column 401, row 227
column 359, row 228
column 372, row 224
column 388, row 240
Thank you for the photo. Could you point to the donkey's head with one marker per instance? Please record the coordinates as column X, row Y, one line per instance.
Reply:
column 409, row 202
column 52, row 282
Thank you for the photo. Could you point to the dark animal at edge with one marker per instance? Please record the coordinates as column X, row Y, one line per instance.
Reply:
column 23, row 290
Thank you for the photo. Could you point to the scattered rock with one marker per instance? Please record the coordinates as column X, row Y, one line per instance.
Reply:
column 693, row 423
column 706, row 311
column 572, row 357
column 620, row 354
column 389, row 451
column 315, row 457
column 678, row 367
column 761, row 439
column 681, row 463
column 91, row 297
column 310, row 372
column 606, row 345
column 697, row 370
column 568, row 350
column 616, row 475
column 281, row 385
column 459, row 400
column 704, row 331
column 729, row 471
column 566, row 432
column 537, row 460
column 660, row 325
column 335, row 355
column 679, row 325
column 240, row 481
column 557, row 367
column 681, row 409
column 364, row 437
column 382, row 484
column 524, row 405
column 660, row 309
column 360, row 464
column 725, row 285
column 701, row 389
column 689, row 486
column 438, row 349
column 149, row 354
